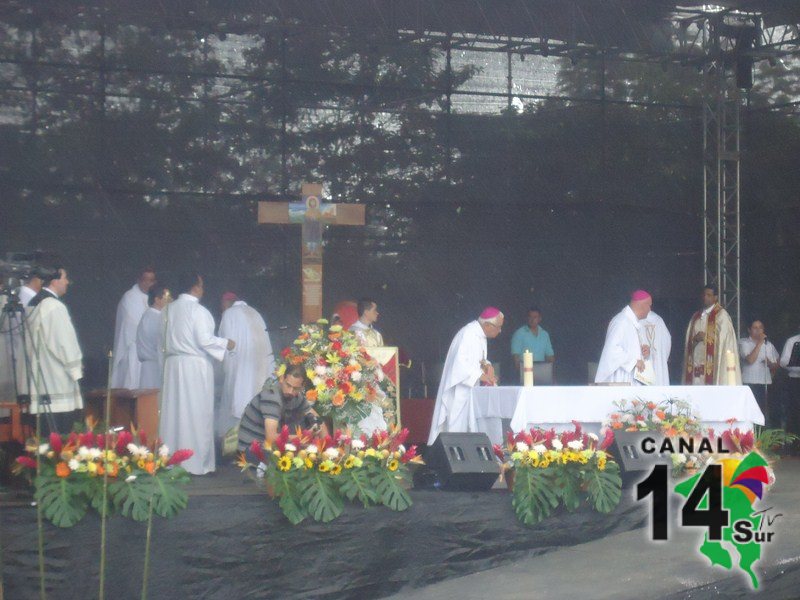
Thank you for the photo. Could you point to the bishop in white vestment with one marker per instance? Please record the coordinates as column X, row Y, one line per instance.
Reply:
column 247, row 367
column 126, row 365
column 622, row 352
column 654, row 333
column 187, row 396
column 464, row 367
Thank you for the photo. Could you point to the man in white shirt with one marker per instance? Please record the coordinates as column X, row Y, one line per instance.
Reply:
column 125, row 372
column 759, row 362
column 30, row 287
column 187, row 396
column 793, row 387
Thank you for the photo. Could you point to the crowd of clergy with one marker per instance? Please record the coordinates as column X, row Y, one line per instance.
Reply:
column 172, row 344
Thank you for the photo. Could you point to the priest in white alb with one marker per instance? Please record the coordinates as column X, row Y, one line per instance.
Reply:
column 54, row 356
column 187, row 395
column 464, row 367
column 624, row 353
column 655, row 334
column 248, row 366
column 126, row 365
column 712, row 345
column 150, row 338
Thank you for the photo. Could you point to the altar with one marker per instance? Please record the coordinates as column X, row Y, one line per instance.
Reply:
column 557, row 407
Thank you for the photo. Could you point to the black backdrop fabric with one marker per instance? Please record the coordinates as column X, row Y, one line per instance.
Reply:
column 241, row 546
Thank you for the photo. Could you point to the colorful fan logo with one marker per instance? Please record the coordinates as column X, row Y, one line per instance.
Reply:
column 748, row 475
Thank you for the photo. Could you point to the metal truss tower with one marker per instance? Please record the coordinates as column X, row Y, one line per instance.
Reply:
column 721, row 171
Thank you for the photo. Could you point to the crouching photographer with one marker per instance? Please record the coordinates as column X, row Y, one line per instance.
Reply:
column 281, row 402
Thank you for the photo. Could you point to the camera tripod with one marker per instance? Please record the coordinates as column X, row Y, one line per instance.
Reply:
column 14, row 327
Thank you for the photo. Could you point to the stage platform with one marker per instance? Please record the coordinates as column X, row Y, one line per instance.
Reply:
column 233, row 542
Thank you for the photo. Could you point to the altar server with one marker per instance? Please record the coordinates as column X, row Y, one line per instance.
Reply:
column 150, row 338
column 187, row 399
column 623, row 352
column 54, row 354
column 131, row 307
column 464, row 367
column 248, row 366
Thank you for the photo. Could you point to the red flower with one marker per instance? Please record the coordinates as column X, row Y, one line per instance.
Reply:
column 286, row 352
column 257, row 450
column 180, row 456
column 330, row 383
column 143, row 439
column 27, row 462
column 86, row 439
column 72, row 440
column 336, row 345
column 411, row 453
column 608, row 440
column 55, row 442
column 123, row 440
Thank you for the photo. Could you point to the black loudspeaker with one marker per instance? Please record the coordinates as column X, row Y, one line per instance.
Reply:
column 463, row 461
column 632, row 460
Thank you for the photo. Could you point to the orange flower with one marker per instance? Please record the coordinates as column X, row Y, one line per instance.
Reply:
column 296, row 360
column 651, row 405
column 670, row 431
column 302, row 336
column 616, row 425
column 338, row 398
column 100, row 470
column 150, row 467
column 334, row 336
column 62, row 469
column 113, row 469
column 631, row 428
column 661, row 414
column 311, row 395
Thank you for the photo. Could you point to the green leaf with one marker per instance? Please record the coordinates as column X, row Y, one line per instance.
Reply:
column 566, row 483
column 64, row 500
column 318, row 495
column 284, row 485
column 605, row 487
column 357, row 484
column 390, row 490
column 169, row 498
column 132, row 499
column 534, row 495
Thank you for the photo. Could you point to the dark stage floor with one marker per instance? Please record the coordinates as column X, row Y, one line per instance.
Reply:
column 233, row 542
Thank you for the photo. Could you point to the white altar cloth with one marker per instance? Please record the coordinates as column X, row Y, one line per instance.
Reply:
column 558, row 406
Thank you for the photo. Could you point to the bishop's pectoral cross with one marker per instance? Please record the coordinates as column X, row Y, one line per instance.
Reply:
column 312, row 214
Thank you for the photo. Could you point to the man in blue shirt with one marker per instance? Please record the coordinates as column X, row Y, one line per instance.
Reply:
column 534, row 338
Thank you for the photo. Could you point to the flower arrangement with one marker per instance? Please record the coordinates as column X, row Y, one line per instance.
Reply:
column 72, row 469
column 551, row 469
column 671, row 417
column 767, row 441
column 312, row 475
column 345, row 380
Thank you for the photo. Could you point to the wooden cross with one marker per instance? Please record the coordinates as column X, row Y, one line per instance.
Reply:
column 312, row 214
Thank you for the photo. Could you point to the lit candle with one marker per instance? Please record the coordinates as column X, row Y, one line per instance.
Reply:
column 730, row 367
column 527, row 369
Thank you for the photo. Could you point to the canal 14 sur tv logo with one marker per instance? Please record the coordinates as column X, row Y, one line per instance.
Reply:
column 720, row 498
